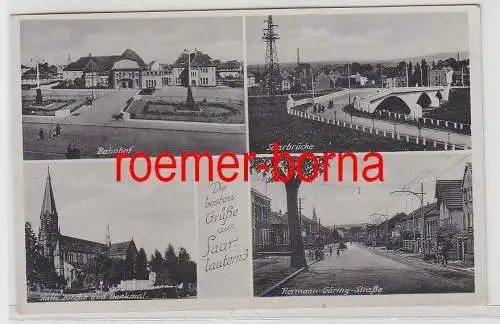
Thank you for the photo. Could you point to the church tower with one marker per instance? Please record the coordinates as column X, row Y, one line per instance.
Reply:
column 49, row 229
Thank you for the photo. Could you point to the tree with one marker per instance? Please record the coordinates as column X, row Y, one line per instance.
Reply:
column 140, row 265
column 79, row 83
column 184, row 256
column 156, row 261
column 417, row 76
column 297, row 259
column 170, row 256
column 425, row 73
column 32, row 254
column 410, row 75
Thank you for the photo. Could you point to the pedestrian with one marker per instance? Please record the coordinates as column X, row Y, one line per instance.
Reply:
column 40, row 134
column 338, row 251
column 330, row 250
column 445, row 253
column 58, row 130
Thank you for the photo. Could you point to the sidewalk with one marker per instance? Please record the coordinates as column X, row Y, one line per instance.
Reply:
column 417, row 258
column 272, row 271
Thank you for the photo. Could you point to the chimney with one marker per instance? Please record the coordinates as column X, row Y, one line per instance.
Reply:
column 298, row 57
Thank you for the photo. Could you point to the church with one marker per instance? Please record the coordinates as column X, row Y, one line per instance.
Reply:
column 74, row 258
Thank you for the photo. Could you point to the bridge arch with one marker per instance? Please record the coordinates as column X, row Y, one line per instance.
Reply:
column 394, row 104
column 424, row 100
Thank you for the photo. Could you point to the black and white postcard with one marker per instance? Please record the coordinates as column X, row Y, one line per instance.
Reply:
column 213, row 229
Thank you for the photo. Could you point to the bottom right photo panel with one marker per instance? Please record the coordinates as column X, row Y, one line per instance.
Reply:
column 411, row 233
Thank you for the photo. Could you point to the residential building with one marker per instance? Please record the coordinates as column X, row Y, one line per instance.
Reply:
column 203, row 69
column 437, row 77
column 251, row 80
column 467, row 206
column 322, row 82
column 449, row 200
column 156, row 76
column 396, row 82
column 261, row 221
column 451, row 215
column 230, row 70
column 116, row 71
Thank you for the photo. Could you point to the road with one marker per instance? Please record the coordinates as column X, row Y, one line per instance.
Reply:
column 360, row 267
column 427, row 133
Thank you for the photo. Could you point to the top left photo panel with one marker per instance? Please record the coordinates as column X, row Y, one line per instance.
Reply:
column 92, row 88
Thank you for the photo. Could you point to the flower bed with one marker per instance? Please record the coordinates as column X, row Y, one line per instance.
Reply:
column 157, row 109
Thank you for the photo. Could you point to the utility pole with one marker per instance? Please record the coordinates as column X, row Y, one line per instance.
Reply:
column 300, row 199
column 349, row 83
column 271, row 78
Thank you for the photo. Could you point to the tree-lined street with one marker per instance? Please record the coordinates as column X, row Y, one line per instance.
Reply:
column 359, row 266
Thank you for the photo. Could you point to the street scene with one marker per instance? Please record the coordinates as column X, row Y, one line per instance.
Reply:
column 413, row 233
column 96, row 239
column 327, row 81
column 91, row 89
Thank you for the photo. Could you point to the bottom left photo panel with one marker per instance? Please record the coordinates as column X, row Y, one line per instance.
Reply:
column 89, row 237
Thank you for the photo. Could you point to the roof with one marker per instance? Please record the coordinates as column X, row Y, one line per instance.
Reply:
column 197, row 59
column 103, row 63
column 429, row 210
column 49, row 203
column 450, row 192
column 258, row 193
column 277, row 218
column 79, row 245
column 119, row 248
column 229, row 65
column 129, row 54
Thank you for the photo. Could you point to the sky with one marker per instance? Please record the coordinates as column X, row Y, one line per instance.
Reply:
column 352, row 202
column 369, row 36
column 153, row 39
column 87, row 199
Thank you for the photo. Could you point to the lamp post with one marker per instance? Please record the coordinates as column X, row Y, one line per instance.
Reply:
column 189, row 52
column 37, row 61
column 386, row 220
column 420, row 196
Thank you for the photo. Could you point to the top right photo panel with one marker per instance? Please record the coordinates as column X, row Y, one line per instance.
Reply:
column 381, row 80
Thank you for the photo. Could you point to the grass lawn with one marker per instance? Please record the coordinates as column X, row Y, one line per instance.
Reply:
column 276, row 125
column 268, row 271
column 457, row 109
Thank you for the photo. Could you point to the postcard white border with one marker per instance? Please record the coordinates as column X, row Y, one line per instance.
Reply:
column 268, row 302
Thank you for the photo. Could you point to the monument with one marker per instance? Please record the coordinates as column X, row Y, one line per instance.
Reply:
column 38, row 97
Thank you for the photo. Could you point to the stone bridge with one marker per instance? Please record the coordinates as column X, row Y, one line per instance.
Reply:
column 412, row 100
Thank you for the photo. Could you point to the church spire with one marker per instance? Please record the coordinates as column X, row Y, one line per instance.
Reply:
column 49, row 221
column 315, row 218
column 49, row 203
